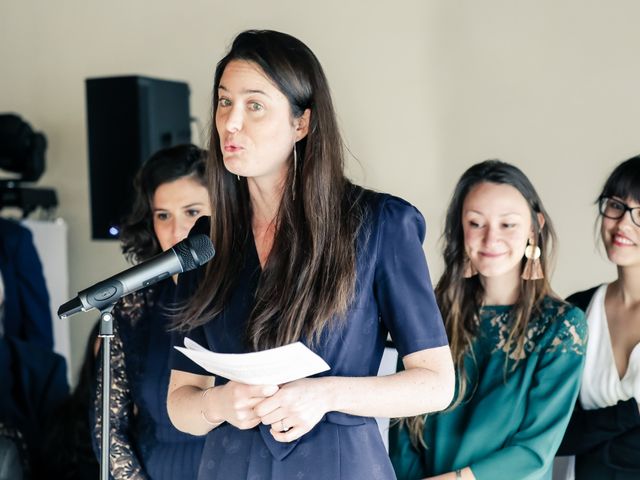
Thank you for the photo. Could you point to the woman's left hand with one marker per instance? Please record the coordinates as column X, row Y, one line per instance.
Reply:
column 295, row 409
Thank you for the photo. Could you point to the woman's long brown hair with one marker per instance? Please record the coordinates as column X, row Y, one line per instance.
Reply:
column 460, row 299
column 309, row 276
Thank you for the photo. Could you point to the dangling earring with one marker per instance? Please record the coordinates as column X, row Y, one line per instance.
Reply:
column 295, row 170
column 238, row 177
column 469, row 270
column 532, row 267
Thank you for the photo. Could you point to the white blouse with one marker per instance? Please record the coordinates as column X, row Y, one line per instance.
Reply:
column 601, row 383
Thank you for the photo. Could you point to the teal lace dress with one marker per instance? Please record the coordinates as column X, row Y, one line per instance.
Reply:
column 512, row 420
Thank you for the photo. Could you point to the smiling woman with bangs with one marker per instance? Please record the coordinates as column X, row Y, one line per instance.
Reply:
column 604, row 432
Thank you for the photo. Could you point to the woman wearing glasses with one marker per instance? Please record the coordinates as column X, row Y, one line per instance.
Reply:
column 604, row 431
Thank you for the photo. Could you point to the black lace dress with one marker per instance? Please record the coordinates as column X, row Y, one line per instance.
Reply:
column 144, row 443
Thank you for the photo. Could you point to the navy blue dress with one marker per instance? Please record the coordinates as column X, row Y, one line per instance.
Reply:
column 393, row 295
column 144, row 442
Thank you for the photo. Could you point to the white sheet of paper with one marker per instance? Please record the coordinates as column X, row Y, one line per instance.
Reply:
column 268, row 367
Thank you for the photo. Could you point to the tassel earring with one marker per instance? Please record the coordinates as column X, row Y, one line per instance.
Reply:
column 295, row 171
column 532, row 267
column 469, row 270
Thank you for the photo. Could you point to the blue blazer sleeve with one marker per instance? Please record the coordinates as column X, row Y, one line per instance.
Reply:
column 27, row 315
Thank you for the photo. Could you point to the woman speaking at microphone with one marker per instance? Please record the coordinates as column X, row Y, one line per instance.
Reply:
column 169, row 197
column 304, row 255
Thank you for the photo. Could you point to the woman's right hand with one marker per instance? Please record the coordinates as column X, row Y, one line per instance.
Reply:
column 235, row 402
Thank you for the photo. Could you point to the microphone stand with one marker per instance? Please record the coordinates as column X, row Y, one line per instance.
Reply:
column 106, row 333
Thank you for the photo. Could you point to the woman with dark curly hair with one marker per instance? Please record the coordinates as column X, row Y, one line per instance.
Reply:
column 170, row 196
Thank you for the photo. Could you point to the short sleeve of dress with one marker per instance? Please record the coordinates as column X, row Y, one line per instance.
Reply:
column 403, row 287
column 178, row 360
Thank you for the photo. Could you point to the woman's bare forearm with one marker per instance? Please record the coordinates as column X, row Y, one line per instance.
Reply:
column 411, row 392
column 186, row 406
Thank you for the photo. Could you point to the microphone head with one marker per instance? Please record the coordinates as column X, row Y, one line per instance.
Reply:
column 194, row 251
column 69, row 308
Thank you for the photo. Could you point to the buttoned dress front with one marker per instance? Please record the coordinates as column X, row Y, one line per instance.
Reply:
column 393, row 295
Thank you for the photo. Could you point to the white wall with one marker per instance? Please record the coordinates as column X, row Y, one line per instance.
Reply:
column 549, row 86
column 423, row 90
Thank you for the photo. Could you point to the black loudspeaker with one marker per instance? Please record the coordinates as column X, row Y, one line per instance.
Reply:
column 128, row 119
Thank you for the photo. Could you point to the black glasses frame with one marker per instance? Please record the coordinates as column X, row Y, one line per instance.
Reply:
column 602, row 206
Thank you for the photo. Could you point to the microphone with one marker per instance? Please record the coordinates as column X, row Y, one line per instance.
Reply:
column 186, row 255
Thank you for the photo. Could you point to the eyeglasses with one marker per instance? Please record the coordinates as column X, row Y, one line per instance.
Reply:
column 615, row 209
